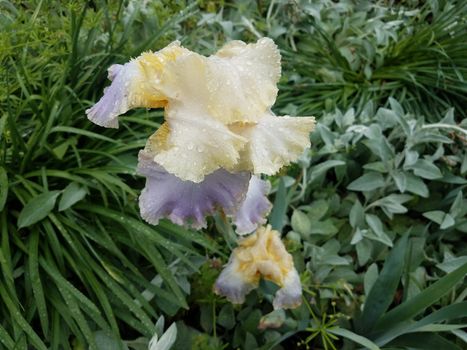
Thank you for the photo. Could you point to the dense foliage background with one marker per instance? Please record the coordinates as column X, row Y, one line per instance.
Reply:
column 375, row 213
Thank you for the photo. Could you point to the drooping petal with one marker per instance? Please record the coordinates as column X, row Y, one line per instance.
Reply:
column 185, row 202
column 116, row 99
column 260, row 254
column 134, row 84
column 254, row 208
column 290, row 295
column 195, row 146
column 234, row 285
column 273, row 142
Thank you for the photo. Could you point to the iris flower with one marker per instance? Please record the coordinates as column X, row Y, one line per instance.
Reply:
column 219, row 132
column 218, row 137
column 261, row 254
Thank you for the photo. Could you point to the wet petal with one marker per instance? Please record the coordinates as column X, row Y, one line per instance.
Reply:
column 239, row 83
column 242, row 79
column 196, row 145
column 261, row 254
column 273, row 142
column 134, row 84
column 185, row 202
column 254, row 208
column 116, row 97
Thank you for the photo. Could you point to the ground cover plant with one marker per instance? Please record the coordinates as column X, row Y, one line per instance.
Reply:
column 374, row 213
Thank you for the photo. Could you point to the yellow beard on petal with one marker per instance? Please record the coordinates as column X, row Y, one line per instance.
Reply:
column 159, row 140
column 263, row 254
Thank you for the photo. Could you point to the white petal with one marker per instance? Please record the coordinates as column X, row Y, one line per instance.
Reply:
column 116, row 99
column 243, row 79
column 232, row 284
column 196, row 145
column 260, row 254
column 236, row 84
column 274, row 142
column 290, row 295
column 254, row 208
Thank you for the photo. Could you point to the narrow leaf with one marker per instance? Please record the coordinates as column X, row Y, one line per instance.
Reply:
column 368, row 344
column 3, row 187
column 421, row 301
column 382, row 292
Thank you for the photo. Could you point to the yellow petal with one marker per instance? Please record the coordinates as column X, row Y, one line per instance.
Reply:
column 236, row 84
column 134, row 84
column 192, row 145
column 260, row 254
column 273, row 142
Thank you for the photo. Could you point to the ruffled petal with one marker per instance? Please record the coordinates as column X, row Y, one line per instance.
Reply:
column 134, row 84
column 242, row 79
column 234, row 285
column 195, row 146
column 239, row 83
column 116, row 98
column 273, row 142
column 185, row 202
column 290, row 295
column 254, row 208
column 260, row 254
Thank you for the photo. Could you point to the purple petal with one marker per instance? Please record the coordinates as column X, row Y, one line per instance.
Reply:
column 232, row 284
column 290, row 295
column 115, row 100
column 185, row 202
column 254, row 208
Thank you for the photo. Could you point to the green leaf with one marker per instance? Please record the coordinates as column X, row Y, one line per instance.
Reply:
column 449, row 265
column 448, row 221
column 377, row 227
column 420, row 302
column 457, row 206
column 382, row 293
column 444, row 220
column 167, row 340
column 317, row 209
column 367, row 182
column 416, row 185
column 36, row 282
column 105, row 341
column 435, row 216
column 325, row 227
column 3, row 187
column 447, row 313
column 226, row 317
column 426, row 169
column 37, row 208
column 277, row 216
column 72, row 194
column 321, row 168
column 367, row 343
column 423, row 341
column 371, row 275
column 300, row 222
column 357, row 214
